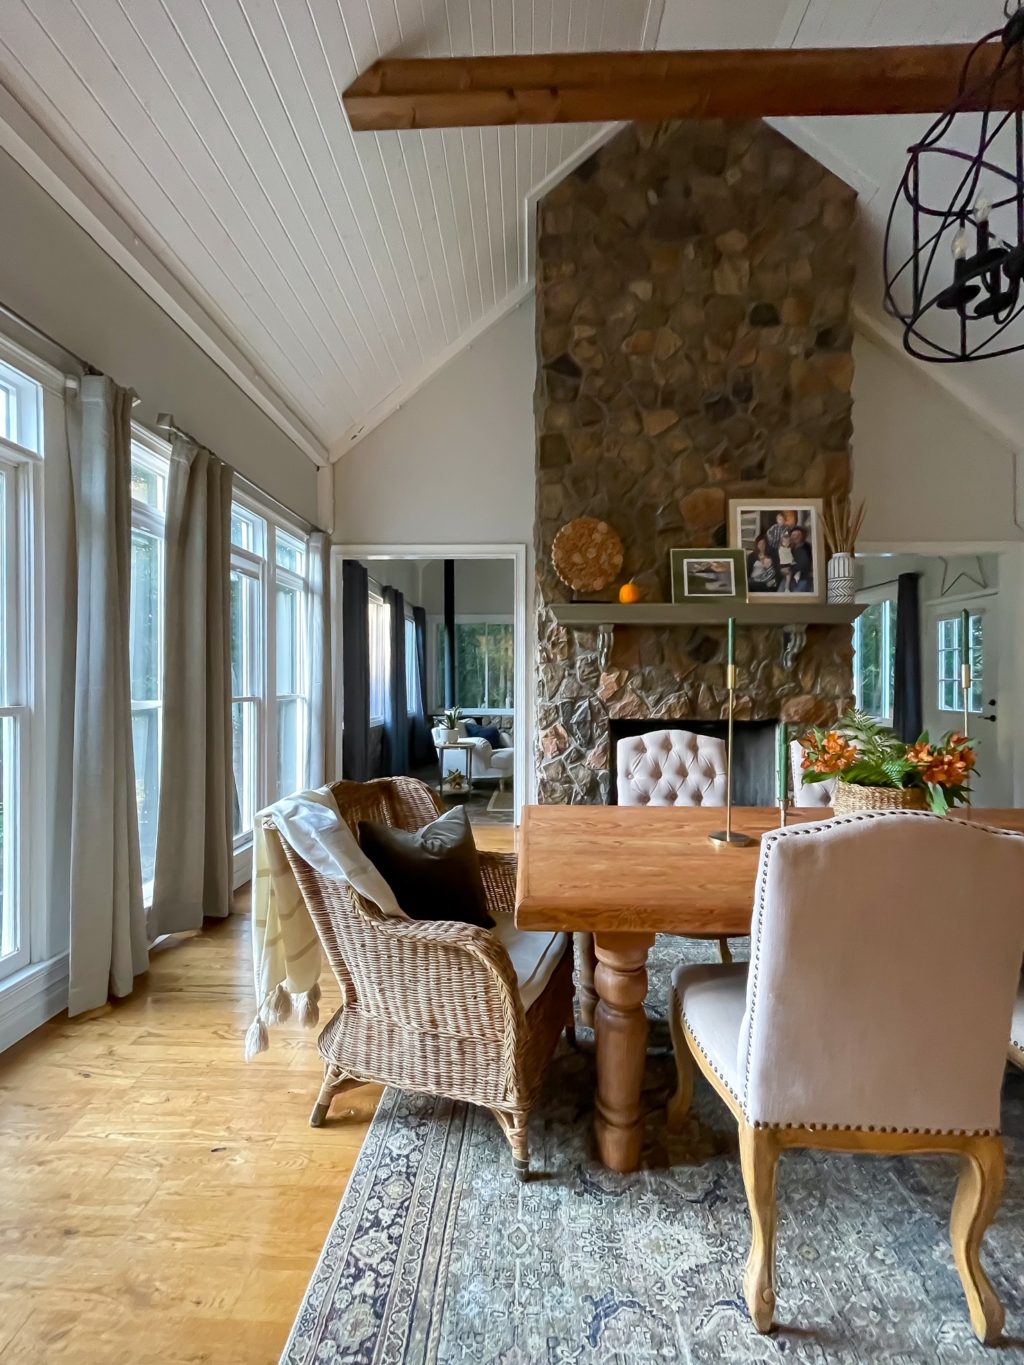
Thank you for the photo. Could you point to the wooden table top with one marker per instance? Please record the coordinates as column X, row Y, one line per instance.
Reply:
column 651, row 868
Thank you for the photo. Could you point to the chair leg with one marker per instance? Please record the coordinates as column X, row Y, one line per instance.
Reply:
column 759, row 1157
column 515, row 1125
column 978, row 1194
column 679, row 1104
column 724, row 951
column 335, row 1082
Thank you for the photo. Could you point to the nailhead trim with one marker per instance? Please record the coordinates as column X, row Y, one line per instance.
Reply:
column 703, row 1053
column 794, row 831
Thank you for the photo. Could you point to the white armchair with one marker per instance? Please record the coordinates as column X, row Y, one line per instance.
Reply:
column 488, row 762
column 879, row 1026
column 670, row 768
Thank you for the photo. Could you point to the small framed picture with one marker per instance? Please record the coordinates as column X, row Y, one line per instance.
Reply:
column 708, row 576
column 783, row 546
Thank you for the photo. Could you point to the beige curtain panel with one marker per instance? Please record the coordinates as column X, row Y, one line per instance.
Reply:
column 108, row 926
column 194, row 857
column 321, row 735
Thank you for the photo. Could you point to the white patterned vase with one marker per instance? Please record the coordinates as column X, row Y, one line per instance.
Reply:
column 840, row 578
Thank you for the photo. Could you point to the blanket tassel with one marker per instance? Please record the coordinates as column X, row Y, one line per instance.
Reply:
column 278, row 1006
column 257, row 1039
column 307, row 1006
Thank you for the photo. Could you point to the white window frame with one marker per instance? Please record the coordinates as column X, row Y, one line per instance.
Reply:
column 978, row 676
column 153, row 453
column 263, row 567
column 872, row 597
column 22, row 462
column 462, row 619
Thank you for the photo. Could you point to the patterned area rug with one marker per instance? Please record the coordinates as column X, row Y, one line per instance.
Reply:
column 438, row 1256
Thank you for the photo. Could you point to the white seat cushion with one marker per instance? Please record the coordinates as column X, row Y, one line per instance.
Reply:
column 535, row 955
column 503, row 760
column 712, row 997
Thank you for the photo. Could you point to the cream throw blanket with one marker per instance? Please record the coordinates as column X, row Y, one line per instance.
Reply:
column 285, row 947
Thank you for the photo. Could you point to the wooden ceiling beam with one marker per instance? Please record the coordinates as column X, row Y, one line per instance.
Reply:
column 567, row 87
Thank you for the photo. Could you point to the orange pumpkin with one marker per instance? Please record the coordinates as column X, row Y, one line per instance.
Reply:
column 629, row 593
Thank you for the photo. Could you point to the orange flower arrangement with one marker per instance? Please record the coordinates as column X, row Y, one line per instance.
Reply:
column 863, row 751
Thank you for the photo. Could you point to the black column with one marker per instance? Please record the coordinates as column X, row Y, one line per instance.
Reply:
column 450, row 699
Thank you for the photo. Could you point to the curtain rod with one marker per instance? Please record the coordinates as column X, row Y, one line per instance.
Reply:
column 166, row 425
column 23, row 321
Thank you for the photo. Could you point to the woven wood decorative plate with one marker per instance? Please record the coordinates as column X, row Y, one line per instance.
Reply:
column 587, row 554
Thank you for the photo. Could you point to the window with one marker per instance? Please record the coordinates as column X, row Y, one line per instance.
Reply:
column 380, row 656
column 874, row 659
column 20, row 444
column 145, row 641
column 484, row 664
column 269, row 663
column 950, row 659
column 412, row 669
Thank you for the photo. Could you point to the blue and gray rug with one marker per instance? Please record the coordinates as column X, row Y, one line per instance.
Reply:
column 438, row 1256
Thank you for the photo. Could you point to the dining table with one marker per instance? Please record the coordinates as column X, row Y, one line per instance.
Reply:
column 617, row 875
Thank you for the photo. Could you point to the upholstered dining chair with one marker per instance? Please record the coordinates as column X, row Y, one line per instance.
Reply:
column 884, row 958
column 439, row 1007
column 670, row 768
column 1017, row 1029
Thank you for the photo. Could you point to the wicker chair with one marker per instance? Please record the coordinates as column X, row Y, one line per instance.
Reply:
column 430, row 1006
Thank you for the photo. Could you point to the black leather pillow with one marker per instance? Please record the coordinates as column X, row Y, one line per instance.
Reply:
column 434, row 873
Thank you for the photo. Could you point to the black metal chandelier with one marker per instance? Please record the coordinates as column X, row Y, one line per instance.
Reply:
column 962, row 210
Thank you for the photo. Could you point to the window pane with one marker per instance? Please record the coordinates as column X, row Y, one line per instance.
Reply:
column 291, row 764
column 290, row 553
column 245, row 670
column 868, row 660
column 380, row 657
column 470, row 655
column 412, row 671
column 149, row 479
column 500, row 660
column 289, row 660
column 10, row 919
column 244, row 756
column 8, row 412
column 145, row 631
column 248, row 530
column 146, row 741
column 950, row 660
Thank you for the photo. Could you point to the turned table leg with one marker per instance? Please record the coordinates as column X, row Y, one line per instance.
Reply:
column 620, row 1026
column 585, row 964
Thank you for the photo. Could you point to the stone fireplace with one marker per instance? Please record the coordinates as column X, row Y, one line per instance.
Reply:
column 694, row 345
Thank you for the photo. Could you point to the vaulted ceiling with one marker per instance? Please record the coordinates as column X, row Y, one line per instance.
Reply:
column 342, row 270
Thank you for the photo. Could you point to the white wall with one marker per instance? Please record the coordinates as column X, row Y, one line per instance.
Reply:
column 483, row 587
column 926, row 468
column 456, row 463
column 55, row 275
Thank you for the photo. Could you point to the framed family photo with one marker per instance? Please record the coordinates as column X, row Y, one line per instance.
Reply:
column 708, row 576
column 783, row 546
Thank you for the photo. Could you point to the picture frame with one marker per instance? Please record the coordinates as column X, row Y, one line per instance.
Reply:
column 782, row 541
column 707, row 575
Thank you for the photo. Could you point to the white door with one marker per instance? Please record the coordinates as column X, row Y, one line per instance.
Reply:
column 943, row 696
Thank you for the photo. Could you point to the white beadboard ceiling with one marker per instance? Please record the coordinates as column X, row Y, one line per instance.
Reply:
column 332, row 274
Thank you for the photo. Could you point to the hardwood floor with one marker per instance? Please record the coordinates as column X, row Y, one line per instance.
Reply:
column 163, row 1200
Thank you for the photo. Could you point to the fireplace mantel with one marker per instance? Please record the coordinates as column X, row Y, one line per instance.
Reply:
column 788, row 612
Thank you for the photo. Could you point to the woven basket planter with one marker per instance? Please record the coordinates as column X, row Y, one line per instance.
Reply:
column 850, row 796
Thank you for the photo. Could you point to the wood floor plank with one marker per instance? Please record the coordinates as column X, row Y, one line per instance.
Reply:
column 163, row 1200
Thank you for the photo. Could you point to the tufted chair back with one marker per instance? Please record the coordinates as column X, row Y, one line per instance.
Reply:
column 808, row 794
column 671, row 768
column 884, row 958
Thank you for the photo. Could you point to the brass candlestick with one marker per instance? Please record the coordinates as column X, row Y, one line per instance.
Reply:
column 727, row 836
column 966, row 680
